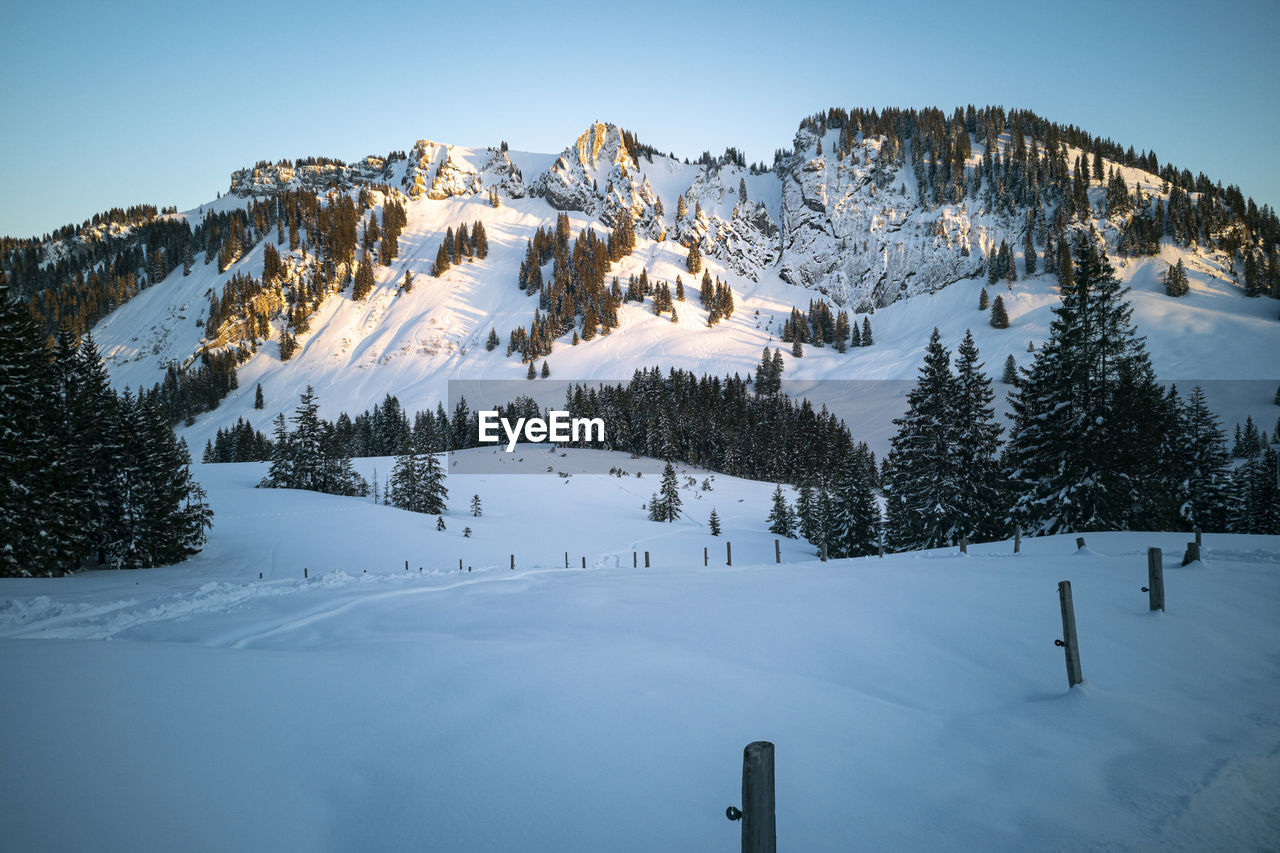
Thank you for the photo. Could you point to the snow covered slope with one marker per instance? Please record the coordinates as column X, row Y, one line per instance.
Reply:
column 917, row 701
column 846, row 228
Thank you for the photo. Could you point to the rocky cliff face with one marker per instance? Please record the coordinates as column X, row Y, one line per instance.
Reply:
column 739, row 232
column 598, row 176
column 852, row 227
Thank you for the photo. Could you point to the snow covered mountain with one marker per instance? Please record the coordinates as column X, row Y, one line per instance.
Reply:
column 896, row 229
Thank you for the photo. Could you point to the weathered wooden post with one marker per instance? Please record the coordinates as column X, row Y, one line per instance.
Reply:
column 1155, row 579
column 406, row 565
column 459, row 564
column 1068, row 641
column 1192, row 555
column 634, row 560
column 777, row 551
column 1197, row 537
column 824, row 552
column 728, row 553
column 584, row 562
column 259, row 575
column 1079, row 543
column 566, row 559
column 705, row 557
column 759, row 822
column 513, row 562
column 646, row 559
column 964, row 544
column 1017, row 538
column 304, row 571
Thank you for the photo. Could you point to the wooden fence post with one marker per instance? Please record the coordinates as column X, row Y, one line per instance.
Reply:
column 1155, row 579
column 634, row 560
column 304, row 571
column 1197, row 537
column 964, row 544
column 406, row 565
column 777, row 551
column 824, row 552
column 728, row 553
column 1079, row 543
column 584, row 562
column 646, row 559
column 705, row 557
column 459, row 564
column 759, row 821
column 1017, row 538
column 566, row 559
column 1068, row 642
column 1192, row 555
column 513, row 562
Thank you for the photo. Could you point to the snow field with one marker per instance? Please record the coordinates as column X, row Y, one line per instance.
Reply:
column 916, row 701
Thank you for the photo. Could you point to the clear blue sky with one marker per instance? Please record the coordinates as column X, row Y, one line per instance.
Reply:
column 110, row 104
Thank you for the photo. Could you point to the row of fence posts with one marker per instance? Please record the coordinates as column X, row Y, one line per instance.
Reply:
column 759, row 821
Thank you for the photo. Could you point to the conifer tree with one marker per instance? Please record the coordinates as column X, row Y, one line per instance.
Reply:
column 979, row 493
column 1088, row 416
column 476, row 510
column 665, row 504
column 922, row 482
column 853, row 526
column 866, row 332
column 364, row 278
column 258, row 401
column 546, row 369
column 1204, row 474
column 713, row 523
column 439, row 523
column 1029, row 255
column 492, row 342
column 694, row 262
column 983, row 300
column 781, row 518
column 1175, row 280
column 999, row 316
column 1010, row 375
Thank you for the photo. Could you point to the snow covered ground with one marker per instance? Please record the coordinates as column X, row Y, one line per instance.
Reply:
column 917, row 701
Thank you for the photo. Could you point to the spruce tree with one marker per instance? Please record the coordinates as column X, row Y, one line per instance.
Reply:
column 713, row 523
column 853, row 527
column 1010, row 375
column 1204, row 471
column 999, row 317
column 493, row 341
column 781, row 518
column 922, row 479
column 694, row 262
column 866, row 332
column 979, row 493
column 983, row 300
column 1088, row 428
column 665, row 504
column 258, row 401
column 476, row 509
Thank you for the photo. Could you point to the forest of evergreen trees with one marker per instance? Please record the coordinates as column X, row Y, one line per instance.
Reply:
column 89, row 476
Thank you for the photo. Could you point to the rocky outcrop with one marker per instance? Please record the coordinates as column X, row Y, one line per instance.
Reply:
column 599, row 177
column 272, row 179
column 746, row 239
